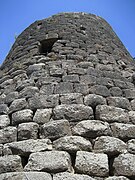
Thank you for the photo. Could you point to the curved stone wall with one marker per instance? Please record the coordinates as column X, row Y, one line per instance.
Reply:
column 67, row 103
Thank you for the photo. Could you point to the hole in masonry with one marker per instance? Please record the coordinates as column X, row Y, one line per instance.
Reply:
column 46, row 46
column 24, row 160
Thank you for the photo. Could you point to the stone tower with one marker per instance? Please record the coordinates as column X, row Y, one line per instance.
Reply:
column 67, row 103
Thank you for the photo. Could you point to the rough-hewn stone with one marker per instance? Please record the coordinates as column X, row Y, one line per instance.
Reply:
column 4, row 121
column 92, row 164
column 72, row 144
column 53, row 161
column 92, row 128
column 131, row 146
column 71, row 98
column 10, row 163
column 73, row 112
column 124, row 165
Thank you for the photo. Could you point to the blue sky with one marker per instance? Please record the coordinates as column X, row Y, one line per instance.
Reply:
column 16, row 15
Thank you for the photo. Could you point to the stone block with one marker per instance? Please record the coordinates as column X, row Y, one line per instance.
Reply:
column 26, row 147
column 28, row 92
column 4, row 121
column 129, row 93
column 109, row 145
column 93, row 100
column 100, row 90
column 72, row 144
column 111, row 114
column 26, row 176
column 124, row 165
column 117, row 178
column 47, row 89
column 10, row 163
column 8, row 134
column 28, row 131
column 1, row 149
column 74, row 112
column 57, row 72
column 11, row 97
column 42, row 116
column 92, row 164
column 71, row 78
column 88, row 79
column 63, row 87
column 123, row 131
column 18, row 104
column 131, row 146
column 132, row 116
column 91, row 128
column 71, row 98
column 35, row 67
column 115, row 91
column 105, row 82
column 133, row 104
column 55, row 129
column 50, row 161
column 81, row 88
column 43, row 101
column 75, row 70
column 25, row 115
column 4, row 109
column 71, row 176
column 120, row 102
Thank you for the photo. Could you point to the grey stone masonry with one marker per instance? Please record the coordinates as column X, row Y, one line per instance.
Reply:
column 67, row 102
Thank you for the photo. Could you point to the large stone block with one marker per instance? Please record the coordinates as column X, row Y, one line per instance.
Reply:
column 25, row 115
column 81, row 88
column 42, row 116
column 124, row 165
column 119, row 102
column 17, row 105
column 93, row 100
column 111, row 114
column 4, row 121
column 131, row 146
column 71, row 98
column 132, row 116
column 10, row 163
column 11, row 97
column 92, row 164
column 91, row 128
column 100, row 90
column 109, row 145
column 72, row 144
column 75, row 112
column 8, row 134
column 4, row 109
column 70, row 78
column 26, row 147
column 28, row 131
column 50, row 161
column 28, row 92
column 63, row 87
column 55, row 129
column 71, row 176
column 123, row 131
column 129, row 93
column 26, row 176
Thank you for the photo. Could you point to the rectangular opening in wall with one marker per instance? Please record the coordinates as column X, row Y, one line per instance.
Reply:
column 46, row 45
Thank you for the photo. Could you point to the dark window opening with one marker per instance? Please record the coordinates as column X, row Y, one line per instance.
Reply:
column 46, row 45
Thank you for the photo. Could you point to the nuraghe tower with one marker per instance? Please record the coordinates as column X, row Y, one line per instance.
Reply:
column 67, row 103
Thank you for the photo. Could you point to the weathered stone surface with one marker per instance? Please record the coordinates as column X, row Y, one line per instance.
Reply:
column 42, row 116
column 28, row 131
column 11, row 97
column 28, row 92
column 131, row 146
column 116, row 91
column 70, row 78
column 58, row 72
column 109, row 145
column 4, row 121
column 47, row 89
column 75, row 112
column 123, row 131
column 55, row 129
column 92, row 164
column 117, row 178
column 119, row 102
column 133, row 104
column 91, row 128
column 8, row 134
column 35, row 67
column 4, row 109
column 10, row 164
column 100, row 90
column 81, row 88
column 93, row 100
column 71, row 98
column 88, row 79
column 43, row 101
column 50, row 161
column 129, row 93
column 1, row 149
column 72, row 144
column 132, row 116
column 63, row 87
column 26, row 176
column 71, row 176
column 124, row 165
column 22, row 116
column 18, row 104
column 29, row 146
column 111, row 114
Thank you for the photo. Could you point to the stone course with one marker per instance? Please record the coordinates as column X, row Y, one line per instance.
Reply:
column 67, row 103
